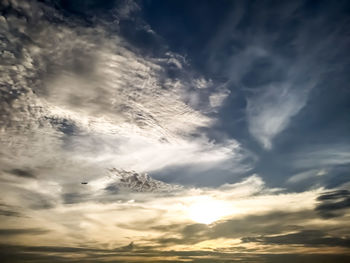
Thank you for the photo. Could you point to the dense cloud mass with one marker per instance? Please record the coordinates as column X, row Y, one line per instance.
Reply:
column 174, row 131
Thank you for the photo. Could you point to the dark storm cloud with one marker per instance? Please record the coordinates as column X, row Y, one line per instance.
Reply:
column 334, row 204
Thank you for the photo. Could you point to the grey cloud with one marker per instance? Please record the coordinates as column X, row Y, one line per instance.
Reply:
column 267, row 228
column 334, row 195
column 117, row 186
column 112, row 188
column 22, row 231
column 34, row 199
column 300, row 258
column 7, row 210
column 16, row 254
column 305, row 237
column 322, row 164
column 40, row 202
column 333, row 204
column 323, row 156
column 138, row 254
column 65, row 126
column 74, row 198
column 270, row 223
column 22, row 173
column 130, row 180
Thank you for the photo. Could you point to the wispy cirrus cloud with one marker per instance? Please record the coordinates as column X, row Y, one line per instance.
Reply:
column 270, row 111
column 273, row 57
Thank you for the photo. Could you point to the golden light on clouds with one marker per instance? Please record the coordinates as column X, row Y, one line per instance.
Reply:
column 207, row 210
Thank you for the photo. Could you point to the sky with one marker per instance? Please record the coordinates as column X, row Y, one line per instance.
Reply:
column 174, row 131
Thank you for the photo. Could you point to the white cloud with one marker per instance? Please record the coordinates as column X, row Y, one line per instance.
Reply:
column 202, row 83
column 122, row 108
column 306, row 175
column 217, row 99
column 271, row 109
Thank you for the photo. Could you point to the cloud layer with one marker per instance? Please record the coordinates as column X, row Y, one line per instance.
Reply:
column 128, row 137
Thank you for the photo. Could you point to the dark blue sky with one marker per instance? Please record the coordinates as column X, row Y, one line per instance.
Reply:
column 308, row 37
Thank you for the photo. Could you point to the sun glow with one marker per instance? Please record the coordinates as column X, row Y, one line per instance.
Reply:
column 207, row 210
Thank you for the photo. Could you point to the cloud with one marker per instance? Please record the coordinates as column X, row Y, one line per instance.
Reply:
column 6, row 210
column 270, row 111
column 306, row 237
column 313, row 165
column 334, row 203
column 80, row 100
column 22, row 173
column 62, row 254
column 306, row 175
column 323, row 156
column 216, row 99
column 21, row 231
column 272, row 222
column 276, row 61
column 95, row 94
column 119, row 180
column 85, row 217
column 84, row 101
